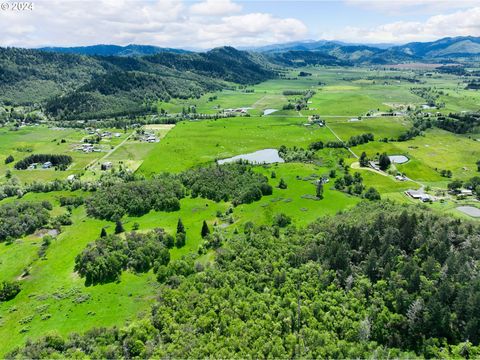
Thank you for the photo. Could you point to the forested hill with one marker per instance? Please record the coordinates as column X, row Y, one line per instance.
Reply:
column 380, row 281
column 79, row 86
column 113, row 50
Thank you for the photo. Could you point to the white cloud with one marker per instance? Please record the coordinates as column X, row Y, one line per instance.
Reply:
column 460, row 23
column 169, row 23
column 215, row 8
column 412, row 7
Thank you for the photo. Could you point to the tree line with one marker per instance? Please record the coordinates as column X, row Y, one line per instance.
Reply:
column 57, row 160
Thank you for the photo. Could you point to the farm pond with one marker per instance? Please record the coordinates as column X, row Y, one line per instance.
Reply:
column 265, row 156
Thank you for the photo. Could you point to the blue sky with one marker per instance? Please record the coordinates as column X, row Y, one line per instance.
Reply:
column 203, row 24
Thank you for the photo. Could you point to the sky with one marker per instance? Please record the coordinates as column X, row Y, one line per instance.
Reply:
column 204, row 24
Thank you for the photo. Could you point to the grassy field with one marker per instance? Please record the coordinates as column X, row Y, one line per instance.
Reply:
column 44, row 140
column 200, row 142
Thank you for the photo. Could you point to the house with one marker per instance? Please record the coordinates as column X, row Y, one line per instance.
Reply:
column 47, row 165
column 70, row 177
column 414, row 194
column 400, row 178
column 106, row 166
column 151, row 139
column 418, row 195
column 466, row 192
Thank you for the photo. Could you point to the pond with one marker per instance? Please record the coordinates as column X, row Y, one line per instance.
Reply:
column 269, row 111
column 265, row 156
column 469, row 210
column 398, row 159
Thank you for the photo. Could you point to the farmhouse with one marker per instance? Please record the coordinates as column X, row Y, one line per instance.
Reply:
column 106, row 166
column 47, row 165
column 418, row 195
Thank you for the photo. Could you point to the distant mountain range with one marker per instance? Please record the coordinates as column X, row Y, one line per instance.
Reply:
column 316, row 52
column 321, row 52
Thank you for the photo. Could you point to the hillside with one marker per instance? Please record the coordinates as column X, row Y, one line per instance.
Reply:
column 81, row 86
column 381, row 280
column 113, row 50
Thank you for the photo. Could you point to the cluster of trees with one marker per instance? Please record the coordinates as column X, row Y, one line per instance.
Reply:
column 317, row 145
column 8, row 290
column 459, row 123
column 235, row 182
column 384, row 161
column 136, row 198
column 301, row 103
column 104, row 259
column 335, row 144
column 22, row 218
column 354, row 185
column 9, row 159
column 420, row 124
column 296, row 154
column 293, row 92
column 473, row 85
column 60, row 161
column 382, row 280
column 445, row 173
column 360, row 139
column 74, row 201
column 429, row 94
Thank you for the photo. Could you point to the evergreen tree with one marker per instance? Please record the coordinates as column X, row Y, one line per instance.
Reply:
column 180, row 240
column 384, row 162
column 320, row 190
column 103, row 233
column 119, row 227
column 9, row 159
column 363, row 160
column 180, row 227
column 282, row 184
column 205, row 229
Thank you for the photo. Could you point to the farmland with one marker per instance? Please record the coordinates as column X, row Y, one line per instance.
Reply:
column 54, row 297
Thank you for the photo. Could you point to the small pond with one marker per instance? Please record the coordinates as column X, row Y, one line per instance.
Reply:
column 269, row 111
column 398, row 159
column 265, row 156
column 469, row 210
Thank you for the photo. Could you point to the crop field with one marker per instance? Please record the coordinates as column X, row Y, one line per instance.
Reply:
column 55, row 298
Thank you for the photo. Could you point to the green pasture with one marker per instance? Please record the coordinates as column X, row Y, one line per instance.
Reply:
column 193, row 143
column 381, row 127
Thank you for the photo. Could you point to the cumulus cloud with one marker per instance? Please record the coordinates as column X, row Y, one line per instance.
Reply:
column 459, row 23
column 215, row 7
column 169, row 23
column 410, row 7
